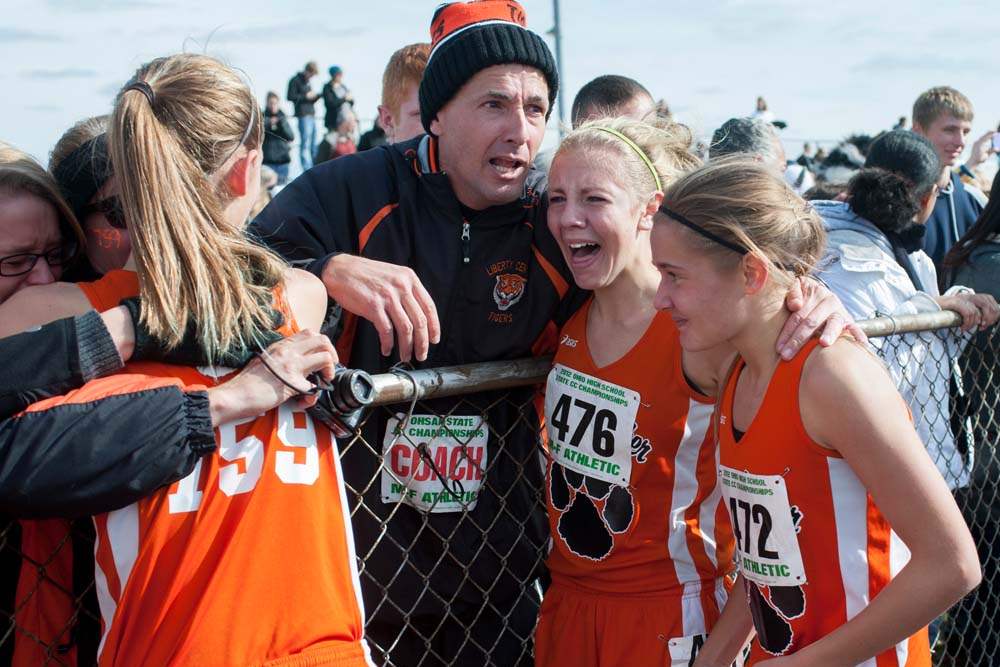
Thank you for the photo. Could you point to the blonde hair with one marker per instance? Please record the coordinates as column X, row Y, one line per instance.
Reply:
column 20, row 173
column 405, row 69
column 166, row 144
column 936, row 101
column 744, row 203
column 667, row 145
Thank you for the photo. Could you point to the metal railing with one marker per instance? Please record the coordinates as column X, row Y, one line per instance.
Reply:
column 451, row 538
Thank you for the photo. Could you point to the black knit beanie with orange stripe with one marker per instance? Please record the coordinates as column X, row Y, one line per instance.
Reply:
column 467, row 37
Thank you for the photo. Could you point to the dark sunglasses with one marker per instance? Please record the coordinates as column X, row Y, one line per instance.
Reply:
column 18, row 265
column 110, row 207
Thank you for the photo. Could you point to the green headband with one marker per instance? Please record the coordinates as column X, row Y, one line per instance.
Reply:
column 638, row 151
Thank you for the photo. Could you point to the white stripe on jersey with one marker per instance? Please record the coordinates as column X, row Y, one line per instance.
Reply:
column 352, row 558
column 123, row 540
column 685, row 490
column 850, row 510
column 899, row 556
column 709, row 509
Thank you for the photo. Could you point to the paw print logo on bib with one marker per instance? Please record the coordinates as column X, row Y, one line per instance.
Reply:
column 591, row 512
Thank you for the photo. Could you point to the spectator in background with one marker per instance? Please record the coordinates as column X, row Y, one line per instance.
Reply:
column 304, row 98
column 372, row 138
column 900, row 124
column 975, row 261
column 277, row 138
column 762, row 111
column 611, row 96
column 808, row 157
column 335, row 96
column 944, row 116
column 753, row 137
column 663, row 110
column 399, row 112
column 340, row 142
column 607, row 96
column 876, row 265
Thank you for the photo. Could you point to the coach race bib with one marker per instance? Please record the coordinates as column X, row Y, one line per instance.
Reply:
column 590, row 422
column 435, row 464
column 767, row 545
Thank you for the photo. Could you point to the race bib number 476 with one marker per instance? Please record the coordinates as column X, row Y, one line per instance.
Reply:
column 590, row 424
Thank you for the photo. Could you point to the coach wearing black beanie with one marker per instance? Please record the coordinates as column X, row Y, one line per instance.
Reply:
column 469, row 37
column 437, row 251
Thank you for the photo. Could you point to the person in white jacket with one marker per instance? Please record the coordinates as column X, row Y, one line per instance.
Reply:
column 876, row 265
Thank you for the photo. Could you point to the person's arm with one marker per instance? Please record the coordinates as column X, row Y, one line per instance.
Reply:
column 849, row 404
column 285, row 129
column 978, row 311
column 56, row 358
column 981, row 150
column 814, row 309
column 731, row 632
column 311, row 223
column 118, row 439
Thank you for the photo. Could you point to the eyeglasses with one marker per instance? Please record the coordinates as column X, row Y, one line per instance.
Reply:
column 18, row 265
column 110, row 207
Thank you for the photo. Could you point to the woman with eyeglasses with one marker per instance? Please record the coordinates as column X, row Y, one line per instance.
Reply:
column 39, row 234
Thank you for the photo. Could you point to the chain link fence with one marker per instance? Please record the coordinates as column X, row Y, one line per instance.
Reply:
column 445, row 480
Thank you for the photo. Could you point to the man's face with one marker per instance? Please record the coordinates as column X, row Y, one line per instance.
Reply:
column 403, row 123
column 490, row 132
column 948, row 134
column 272, row 105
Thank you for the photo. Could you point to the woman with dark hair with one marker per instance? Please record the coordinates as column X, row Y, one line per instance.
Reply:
column 975, row 261
column 876, row 265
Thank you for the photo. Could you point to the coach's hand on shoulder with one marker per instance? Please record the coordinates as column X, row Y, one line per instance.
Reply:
column 814, row 308
column 276, row 375
column 389, row 296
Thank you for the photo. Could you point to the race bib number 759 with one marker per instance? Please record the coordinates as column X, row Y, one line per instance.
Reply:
column 590, row 424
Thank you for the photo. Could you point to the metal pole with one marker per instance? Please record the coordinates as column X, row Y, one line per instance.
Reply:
column 452, row 380
column 557, row 33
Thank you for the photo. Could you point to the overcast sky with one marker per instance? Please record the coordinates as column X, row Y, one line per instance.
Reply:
column 828, row 68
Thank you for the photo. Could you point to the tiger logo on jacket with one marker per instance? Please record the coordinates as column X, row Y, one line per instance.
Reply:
column 508, row 290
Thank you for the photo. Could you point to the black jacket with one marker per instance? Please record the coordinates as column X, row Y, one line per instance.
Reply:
column 332, row 102
column 278, row 138
column 74, row 460
column 501, row 293
column 298, row 87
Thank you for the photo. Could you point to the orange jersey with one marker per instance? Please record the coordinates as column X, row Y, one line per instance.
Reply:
column 633, row 498
column 811, row 544
column 249, row 560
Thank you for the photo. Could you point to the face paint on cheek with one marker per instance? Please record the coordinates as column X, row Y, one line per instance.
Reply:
column 107, row 238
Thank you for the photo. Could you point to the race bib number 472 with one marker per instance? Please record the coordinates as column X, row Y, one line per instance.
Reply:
column 590, row 424
column 435, row 464
column 767, row 545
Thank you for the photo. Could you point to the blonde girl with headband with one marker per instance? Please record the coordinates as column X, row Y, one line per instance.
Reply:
column 250, row 558
column 641, row 546
column 848, row 540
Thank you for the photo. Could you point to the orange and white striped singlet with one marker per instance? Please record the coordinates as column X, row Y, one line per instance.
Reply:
column 812, row 546
column 249, row 560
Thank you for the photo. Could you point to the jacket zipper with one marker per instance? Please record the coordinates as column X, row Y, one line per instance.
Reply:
column 466, row 242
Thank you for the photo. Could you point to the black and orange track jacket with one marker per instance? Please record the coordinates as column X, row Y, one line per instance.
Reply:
column 71, row 459
column 502, row 291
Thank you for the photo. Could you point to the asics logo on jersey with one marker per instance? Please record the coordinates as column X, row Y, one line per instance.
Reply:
column 508, row 290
